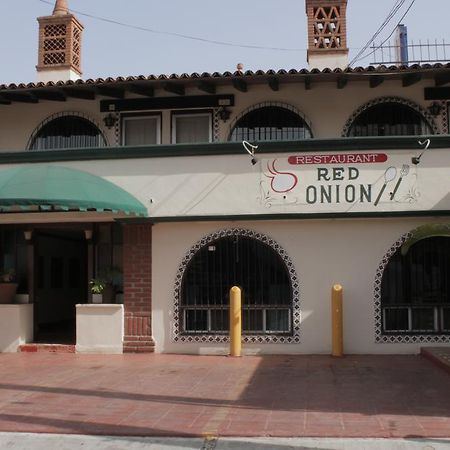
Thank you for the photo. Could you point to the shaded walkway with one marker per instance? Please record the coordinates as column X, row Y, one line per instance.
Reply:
column 172, row 395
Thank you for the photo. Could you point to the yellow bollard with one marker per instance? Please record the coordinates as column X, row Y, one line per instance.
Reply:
column 337, row 321
column 235, row 321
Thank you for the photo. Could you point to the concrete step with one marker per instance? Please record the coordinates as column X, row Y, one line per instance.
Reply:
column 49, row 348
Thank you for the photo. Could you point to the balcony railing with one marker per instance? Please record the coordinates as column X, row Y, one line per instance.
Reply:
column 416, row 53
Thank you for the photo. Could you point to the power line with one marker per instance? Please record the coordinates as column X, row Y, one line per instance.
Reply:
column 392, row 32
column 179, row 35
column 184, row 36
column 397, row 5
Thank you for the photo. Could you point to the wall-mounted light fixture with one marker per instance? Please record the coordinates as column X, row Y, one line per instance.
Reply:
column 224, row 113
column 88, row 234
column 28, row 234
column 110, row 120
column 426, row 144
column 435, row 108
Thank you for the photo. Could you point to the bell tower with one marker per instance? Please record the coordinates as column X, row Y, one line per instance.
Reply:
column 327, row 34
column 59, row 45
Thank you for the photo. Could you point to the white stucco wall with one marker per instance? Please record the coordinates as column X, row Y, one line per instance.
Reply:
column 324, row 252
column 324, row 106
column 324, row 60
column 16, row 326
column 100, row 328
column 231, row 185
column 19, row 120
column 44, row 76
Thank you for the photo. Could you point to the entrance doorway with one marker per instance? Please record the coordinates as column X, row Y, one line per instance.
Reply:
column 60, row 283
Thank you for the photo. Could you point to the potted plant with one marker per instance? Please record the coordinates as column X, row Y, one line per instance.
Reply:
column 103, row 288
column 97, row 287
column 8, row 287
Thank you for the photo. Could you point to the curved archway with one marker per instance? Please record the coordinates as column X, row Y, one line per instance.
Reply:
column 410, row 293
column 270, row 121
column 66, row 130
column 389, row 116
column 252, row 260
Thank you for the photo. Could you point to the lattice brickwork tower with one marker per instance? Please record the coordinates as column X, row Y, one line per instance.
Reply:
column 59, row 45
column 327, row 33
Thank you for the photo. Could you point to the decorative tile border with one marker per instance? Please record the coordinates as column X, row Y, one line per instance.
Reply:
column 216, row 126
column 254, row 339
column 445, row 118
column 381, row 338
column 429, row 118
column 117, row 130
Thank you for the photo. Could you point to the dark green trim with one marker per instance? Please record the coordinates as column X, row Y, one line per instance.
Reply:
column 409, row 143
column 437, row 93
column 159, row 103
column 300, row 216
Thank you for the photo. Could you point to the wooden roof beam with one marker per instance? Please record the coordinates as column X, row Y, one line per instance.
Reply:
column 239, row 84
column 21, row 97
column 375, row 81
column 174, row 88
column 410, row 79
column 274, row 83
column 51, row 95
column 442, row 78
column 83, row 94
column 108, row 91
column 307, row 83
column 341, row 82
column 141, row 89
column 204, row 86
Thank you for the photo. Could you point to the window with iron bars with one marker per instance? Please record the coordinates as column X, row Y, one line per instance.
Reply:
column 236, row 261
column 389, row 119
column 415, row 289
column 67, row 131
column 270, row 123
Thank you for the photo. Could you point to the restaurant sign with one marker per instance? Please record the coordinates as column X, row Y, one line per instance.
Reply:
column 337, row 181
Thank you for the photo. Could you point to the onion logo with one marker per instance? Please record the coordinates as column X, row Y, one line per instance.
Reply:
column 282, row 182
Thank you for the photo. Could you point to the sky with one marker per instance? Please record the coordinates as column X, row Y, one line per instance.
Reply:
column 113, row 50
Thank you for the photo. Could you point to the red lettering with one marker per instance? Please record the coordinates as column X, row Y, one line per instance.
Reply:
column 343, row 158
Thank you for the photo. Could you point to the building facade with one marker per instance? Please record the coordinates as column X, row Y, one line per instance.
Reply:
column 172, row 189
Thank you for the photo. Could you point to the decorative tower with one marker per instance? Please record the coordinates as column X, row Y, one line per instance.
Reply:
column 327, row 33
column 59, row 45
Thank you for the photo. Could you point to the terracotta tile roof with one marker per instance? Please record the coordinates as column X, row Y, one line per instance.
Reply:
column 247, row 75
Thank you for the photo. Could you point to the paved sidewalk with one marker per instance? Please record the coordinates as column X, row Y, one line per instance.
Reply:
column 438, row 355
column 197, row 396
column 14, row 441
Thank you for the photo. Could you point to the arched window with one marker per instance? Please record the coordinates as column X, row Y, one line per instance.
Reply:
column 389, row 118
column 270, row 123
column 415, row 289
column 67, row 131
column 236, row 260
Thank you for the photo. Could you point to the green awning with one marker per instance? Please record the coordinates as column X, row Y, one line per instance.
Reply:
column 55, row 188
